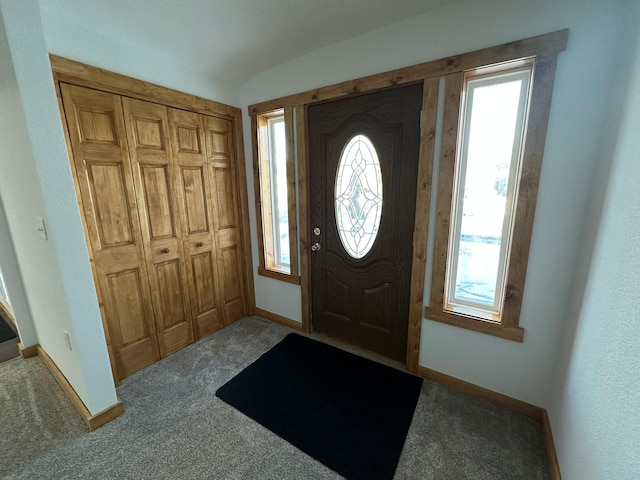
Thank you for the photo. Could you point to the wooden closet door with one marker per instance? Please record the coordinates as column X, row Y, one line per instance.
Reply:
column 155, row 176
column 195, row 199
column 99, row 145
column 226, row 217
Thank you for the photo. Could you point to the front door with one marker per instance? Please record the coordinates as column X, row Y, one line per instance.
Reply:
column 363, row 156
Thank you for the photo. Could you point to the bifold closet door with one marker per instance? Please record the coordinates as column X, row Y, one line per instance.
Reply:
column 222, row 170
column 195, row 200
column 97, row 133
column 155, row 176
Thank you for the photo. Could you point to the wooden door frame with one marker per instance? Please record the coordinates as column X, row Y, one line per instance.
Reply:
column 547, row 46
column 82, row 75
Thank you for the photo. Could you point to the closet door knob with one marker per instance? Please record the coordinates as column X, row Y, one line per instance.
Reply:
column 164, row 250
column 199, row 244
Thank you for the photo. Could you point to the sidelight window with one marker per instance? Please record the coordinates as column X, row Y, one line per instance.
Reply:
column 275, row 197
column 492, row 126
column 278, row 188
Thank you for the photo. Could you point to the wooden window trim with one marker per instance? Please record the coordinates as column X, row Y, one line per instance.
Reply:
column 292, row 212
column 304, row 201
column 541, row 45
column 262, row 183
column 277, row 275
column 540, row 103
column 428, row 122
column 544, row 48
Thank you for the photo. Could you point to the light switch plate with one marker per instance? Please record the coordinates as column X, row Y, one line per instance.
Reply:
column 40, row 228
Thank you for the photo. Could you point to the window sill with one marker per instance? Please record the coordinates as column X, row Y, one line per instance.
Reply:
column 515, row 334
column 284, row 277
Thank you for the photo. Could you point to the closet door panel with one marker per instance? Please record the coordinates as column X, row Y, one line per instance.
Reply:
column 225, row 198
column 103, row 170
column 195, row 200
column 222, row 169
column 156, row 176
column 205, row 291
column 177, row 328
column 108, row 192
column 234, row 286
column 155, row 182
column 170, row 289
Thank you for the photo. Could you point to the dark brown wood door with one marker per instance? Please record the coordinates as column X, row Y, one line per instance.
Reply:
column 363, row 156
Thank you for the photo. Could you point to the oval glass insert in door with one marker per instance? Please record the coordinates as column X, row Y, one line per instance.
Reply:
column 358, row 196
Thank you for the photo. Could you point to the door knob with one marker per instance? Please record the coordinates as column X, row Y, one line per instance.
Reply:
column 316, row 231
column 315, row 247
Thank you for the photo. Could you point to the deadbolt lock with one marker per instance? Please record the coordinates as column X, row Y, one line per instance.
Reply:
column 316, row 231
column 315, row 247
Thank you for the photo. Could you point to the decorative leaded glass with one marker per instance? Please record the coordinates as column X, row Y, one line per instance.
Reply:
column 358, row 196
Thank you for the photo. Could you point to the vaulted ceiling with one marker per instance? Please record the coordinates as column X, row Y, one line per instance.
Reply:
column 232, row 40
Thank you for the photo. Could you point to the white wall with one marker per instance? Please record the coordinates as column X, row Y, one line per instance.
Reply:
column 9, row 262
column 36, row 181
column 19, row 304
column 595, row 406
column 66, row 36
column 587, row 71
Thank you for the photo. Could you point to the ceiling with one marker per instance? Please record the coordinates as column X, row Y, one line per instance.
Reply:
column 232, row 40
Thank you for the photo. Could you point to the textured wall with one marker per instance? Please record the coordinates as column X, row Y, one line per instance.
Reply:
column 594, row 414
column 12, row 276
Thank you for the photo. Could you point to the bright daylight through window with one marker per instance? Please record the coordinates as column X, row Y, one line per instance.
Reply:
column 275, row 207
column 491, row 140
column 278, row 187
column 358, row 196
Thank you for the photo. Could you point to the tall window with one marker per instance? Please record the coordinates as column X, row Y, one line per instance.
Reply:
column 492, row 125
column 278, row 188
column 274, row 171
column 491, row 152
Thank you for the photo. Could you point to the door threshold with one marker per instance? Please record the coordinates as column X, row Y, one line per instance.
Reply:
column 360, row 351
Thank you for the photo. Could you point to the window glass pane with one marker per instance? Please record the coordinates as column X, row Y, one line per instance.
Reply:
column 488, row 168
column 279, row 204
column 358, row 196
